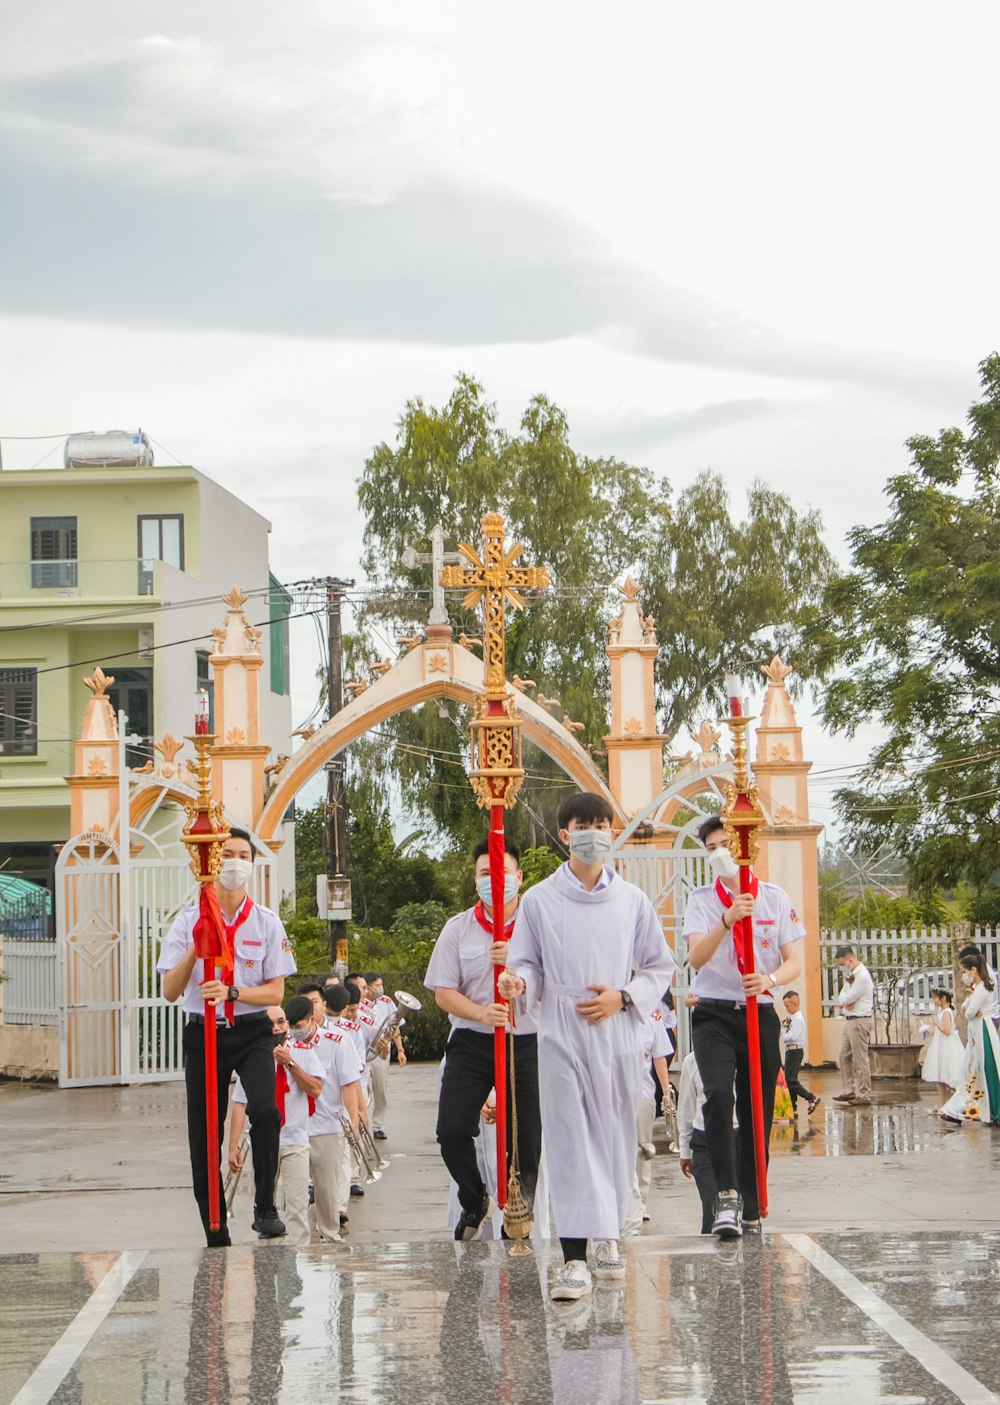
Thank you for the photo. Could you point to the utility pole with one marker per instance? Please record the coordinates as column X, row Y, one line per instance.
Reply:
column 339, row 908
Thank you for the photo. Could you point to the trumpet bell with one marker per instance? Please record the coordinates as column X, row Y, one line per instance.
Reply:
column 407, row 1001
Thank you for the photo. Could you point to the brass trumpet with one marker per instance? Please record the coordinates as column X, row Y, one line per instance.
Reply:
column 363, row 1150
column 232, row 1181
column 406, row 1004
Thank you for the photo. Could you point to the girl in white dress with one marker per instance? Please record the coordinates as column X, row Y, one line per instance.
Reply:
column 977, row 1098
column 946, row 1052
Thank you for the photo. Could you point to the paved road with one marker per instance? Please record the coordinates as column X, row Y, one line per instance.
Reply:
column 874, row 1282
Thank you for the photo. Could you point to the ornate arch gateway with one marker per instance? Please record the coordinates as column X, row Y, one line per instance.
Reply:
column 440, row 667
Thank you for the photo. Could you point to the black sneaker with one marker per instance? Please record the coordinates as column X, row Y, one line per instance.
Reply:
column 470, row 1226
column 268, row 1225
column 344, row 1224
column 379, row 1135
column 728, row 1216
column 357, row 1190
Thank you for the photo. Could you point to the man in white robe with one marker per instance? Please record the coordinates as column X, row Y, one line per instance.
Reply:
column 591, row 948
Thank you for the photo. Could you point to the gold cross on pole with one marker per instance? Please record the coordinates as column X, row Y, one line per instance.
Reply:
column 495, row 581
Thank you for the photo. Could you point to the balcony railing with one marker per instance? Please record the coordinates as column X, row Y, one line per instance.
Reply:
column 122, row 577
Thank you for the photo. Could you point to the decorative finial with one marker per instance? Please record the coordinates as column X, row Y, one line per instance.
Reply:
column 776, row 671
column 630, row 588
column 99, row 683
column 235, row 599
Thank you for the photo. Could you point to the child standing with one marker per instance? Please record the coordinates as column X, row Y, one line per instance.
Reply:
column 946, row 1052
column 793, row 1036
column 977, row 1097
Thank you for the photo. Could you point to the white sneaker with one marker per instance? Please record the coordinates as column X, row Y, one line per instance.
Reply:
column 728, row 1216
column 572, row 1281
column 608, row 1262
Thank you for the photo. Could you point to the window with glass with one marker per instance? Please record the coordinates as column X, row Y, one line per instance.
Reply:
column 206, row 684
column 161, row 538
column 53, row 553
column 280, row 607
column 18, row 711
column 132, row 692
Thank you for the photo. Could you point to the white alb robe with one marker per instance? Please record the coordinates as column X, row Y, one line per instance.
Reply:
column 589, row 1076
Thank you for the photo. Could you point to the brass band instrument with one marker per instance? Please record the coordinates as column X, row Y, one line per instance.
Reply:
column 405, row 1004
column 362, row 1148
column 232, row 1181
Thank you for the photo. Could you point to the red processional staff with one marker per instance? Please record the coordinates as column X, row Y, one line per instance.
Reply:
column 497, row 773
column 743, row 818
column 205, row 833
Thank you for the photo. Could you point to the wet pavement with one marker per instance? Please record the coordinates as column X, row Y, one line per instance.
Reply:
column 877, row 1278
column 876, row 1319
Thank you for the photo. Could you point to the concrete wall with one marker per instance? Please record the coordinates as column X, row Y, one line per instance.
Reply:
column 29, row 1051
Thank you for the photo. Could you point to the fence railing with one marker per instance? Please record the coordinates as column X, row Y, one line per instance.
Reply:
column 905, row 967
column 29, row 994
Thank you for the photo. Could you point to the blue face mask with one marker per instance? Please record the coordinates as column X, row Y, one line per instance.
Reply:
column 486, row 893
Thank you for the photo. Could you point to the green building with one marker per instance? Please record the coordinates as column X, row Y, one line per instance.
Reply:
column 122, row 567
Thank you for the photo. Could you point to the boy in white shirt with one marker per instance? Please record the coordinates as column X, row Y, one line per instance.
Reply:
column 793, row 1035
column 299, row 1079
column 329, row 1156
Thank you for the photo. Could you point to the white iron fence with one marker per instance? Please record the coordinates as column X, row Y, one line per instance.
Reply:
column 28, row 960
column 905, row 967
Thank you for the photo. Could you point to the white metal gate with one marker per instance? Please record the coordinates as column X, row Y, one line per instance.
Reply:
column 114, row 1024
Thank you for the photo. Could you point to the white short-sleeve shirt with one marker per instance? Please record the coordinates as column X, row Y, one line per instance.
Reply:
column 461, row 961
column 656, row 1044
column 261, row 952
column 775, row 925
column 295, row 1129
column 338, row 1055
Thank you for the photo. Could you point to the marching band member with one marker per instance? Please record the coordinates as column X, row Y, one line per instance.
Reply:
column 329, row 1157
column 298, row 1082
column 385, row 1012
column 344, row 1001
column 460, row 974
column 657, row 1046
column 591, row 947
column 262, row 957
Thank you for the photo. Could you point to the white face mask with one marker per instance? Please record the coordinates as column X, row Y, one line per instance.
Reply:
column 485, row 891
column 723, row 864
column 590, row 845
column 235, row 873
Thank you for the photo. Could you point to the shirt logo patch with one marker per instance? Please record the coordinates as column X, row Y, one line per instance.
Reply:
column 249, row 965
column 249, row 941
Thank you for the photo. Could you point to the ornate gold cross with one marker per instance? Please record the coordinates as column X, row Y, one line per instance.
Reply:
column 494, row 581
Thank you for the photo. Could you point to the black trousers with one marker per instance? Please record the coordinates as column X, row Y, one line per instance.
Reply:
column 719, row 1037
column 244, row 1048
column 704, row 1179
column 465, row 1086
column 793, row 1063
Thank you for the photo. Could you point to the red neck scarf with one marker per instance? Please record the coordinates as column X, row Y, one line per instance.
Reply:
column 726, row 899
column 229, row 950
column 281, row 1087
column 487, row 922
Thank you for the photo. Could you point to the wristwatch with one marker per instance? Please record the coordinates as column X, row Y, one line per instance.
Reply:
column 626, row 1000
column 233, row 994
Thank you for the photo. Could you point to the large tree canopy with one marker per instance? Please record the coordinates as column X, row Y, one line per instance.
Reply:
column 913, row 632
column 713, row 582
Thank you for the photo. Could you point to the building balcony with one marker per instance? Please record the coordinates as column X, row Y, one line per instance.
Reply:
column 35, row 582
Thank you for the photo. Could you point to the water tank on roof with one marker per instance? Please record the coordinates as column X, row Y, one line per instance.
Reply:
column 115, row 448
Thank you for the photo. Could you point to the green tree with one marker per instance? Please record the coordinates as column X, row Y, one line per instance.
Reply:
column 713, row 583
column 910, row 638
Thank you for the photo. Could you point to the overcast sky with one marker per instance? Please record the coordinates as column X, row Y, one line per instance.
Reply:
column 756, row 238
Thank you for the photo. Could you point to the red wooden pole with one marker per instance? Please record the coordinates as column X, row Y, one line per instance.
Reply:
column 498, row 869
column 211, row 1103
column 753, row 1056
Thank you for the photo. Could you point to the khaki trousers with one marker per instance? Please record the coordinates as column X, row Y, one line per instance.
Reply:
column 855, row 1068
column 645, row 1118
column 293, row 1192
column 331, row 1172
column 380, row 1091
